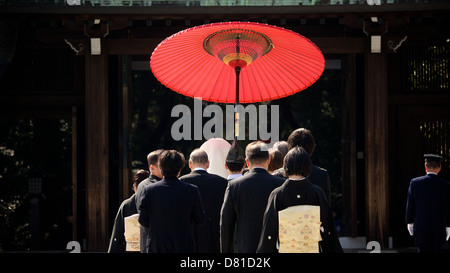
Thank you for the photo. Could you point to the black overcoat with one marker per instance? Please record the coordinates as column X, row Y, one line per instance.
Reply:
column 139, row 191
column 212, row 189
column 168, row 209
column 243, row 207
column 294, row 193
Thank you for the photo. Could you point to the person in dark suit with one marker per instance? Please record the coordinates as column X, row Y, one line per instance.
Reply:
column 155, row 176
column 245, row 201
column 303, row 138
column 212, row 189
column 428, row 208
column 117, row 243
column 170, row 207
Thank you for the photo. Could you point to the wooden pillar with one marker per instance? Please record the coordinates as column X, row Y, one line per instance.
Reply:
column 376, row 147
column 348, row 131
column 125, row 99
column 74, row 173
column 97, row 155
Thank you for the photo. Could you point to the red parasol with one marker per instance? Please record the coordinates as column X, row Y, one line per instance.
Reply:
column 269, row 62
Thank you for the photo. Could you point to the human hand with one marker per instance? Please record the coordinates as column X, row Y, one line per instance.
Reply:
column 410, row 228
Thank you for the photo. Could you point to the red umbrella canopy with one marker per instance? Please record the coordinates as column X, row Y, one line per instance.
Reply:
column 201, row 61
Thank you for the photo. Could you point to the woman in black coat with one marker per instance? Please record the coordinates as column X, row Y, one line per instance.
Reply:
column 297, row 190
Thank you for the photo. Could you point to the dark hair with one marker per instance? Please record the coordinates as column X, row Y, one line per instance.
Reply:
column 302, row 138
column 257, row 152
column 235, row 167
column 199, row 156
column 433, row 164
column 276, row 159
column 139, row 176
column 297, row 162
column 152, row 158
column 170, row 163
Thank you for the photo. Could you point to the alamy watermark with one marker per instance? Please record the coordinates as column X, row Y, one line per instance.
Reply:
column 73, row 2
column 257, row 122
column 373, row 2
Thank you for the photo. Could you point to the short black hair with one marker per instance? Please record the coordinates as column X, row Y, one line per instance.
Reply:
column 235, row 167
column 257, row 152
column 171, row 162
column 302, row 138
column 297, row 162
column 152, row 158
column 433, row 164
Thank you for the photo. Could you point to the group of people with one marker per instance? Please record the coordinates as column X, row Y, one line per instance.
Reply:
column 263, row 206
column 207, row 213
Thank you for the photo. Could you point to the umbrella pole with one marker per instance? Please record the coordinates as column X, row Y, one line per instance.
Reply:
column 237, row 69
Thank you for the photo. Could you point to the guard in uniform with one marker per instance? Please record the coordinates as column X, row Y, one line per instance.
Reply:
column 428, row 208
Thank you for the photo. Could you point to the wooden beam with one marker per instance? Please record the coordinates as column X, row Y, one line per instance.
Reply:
column 328, row 45
column 376, row 149
column 97, row 155
column 183, row 11
column 339, row 45
column 132, row 46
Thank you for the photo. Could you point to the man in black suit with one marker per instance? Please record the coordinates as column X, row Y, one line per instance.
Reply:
column 245, row 202
column 169, row 208
column 155, row 174
column 212, row 189
column 303, row 138
column 428, row 208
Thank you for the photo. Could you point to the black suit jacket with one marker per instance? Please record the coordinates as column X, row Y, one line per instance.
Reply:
column 212, row 189
column 244, row 203
column 168, row 209
column 139, row 191
column 319, row 176
column 428, row 204
column 140, row 188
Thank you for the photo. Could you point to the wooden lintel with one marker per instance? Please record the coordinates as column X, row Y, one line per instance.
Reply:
column 132, row 46
column 338, row 45
column 146, row 46
column 441, row 6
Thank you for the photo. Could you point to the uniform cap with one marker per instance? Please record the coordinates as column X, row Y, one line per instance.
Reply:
column 432, row 157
